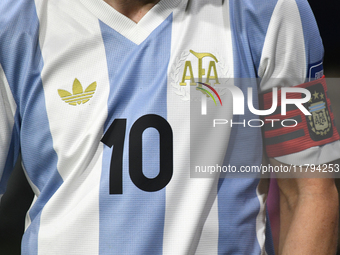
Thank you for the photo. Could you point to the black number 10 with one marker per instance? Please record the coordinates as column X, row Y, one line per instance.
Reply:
column 115, row 136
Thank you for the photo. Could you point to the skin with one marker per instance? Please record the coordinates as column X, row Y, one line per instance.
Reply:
column 308, row 215
column 308, row 207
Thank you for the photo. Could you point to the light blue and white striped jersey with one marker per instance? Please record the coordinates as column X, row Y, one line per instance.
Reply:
column 90, row 98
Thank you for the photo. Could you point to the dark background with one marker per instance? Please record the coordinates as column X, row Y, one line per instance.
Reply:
column 18, row 196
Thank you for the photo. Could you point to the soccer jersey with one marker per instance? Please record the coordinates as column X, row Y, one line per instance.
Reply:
column 100, row 109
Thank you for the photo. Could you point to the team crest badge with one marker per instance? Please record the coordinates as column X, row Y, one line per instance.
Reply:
column 319, row 123
column 193, row 68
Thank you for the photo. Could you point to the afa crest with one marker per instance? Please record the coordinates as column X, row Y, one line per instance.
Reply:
column 319, row 123
column 193, row 68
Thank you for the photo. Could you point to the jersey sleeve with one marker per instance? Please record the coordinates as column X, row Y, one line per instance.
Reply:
column 8, row 132
column 292, row 54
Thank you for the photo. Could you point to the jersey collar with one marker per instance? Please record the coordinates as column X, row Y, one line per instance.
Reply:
column 136, row 33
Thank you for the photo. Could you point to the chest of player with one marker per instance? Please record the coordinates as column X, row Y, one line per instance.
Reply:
column 92, row 76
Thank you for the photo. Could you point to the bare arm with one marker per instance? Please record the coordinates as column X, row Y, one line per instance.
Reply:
column 308, row 215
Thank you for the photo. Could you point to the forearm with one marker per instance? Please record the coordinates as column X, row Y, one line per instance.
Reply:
column 309, row 222
column 309, row 211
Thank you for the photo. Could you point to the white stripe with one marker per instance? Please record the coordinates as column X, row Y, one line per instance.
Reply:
column 191, row 217
column 208, row 243
column 209, row 238
column 72, row 47
column 7, row 111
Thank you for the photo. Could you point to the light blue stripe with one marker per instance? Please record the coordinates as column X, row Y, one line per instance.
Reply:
column 249, row 24
column 132, row 223
column 21, row 58
column 237, row 199
column 313, row 109
column 237, row 210
column 317, row 105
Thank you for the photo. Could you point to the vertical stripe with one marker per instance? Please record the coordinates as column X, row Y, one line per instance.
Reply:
column 250, row 20
column 72, row 48
column 238, row 210
column 191, row 219
column 132, row 222
column 249, row 28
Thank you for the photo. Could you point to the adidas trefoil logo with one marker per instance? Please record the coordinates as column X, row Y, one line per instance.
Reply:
column 79, row 96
